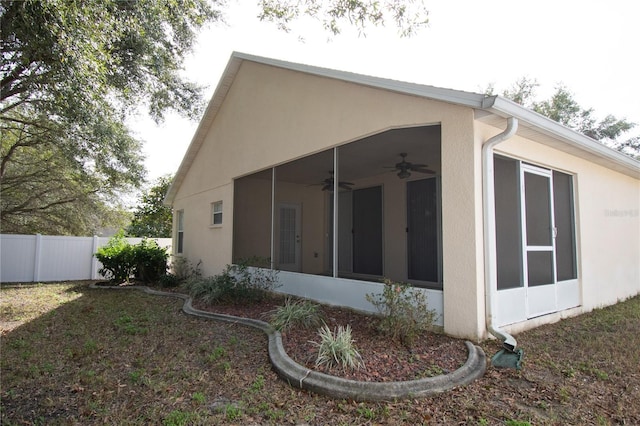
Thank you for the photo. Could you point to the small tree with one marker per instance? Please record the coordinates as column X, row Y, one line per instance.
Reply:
column 152, row 219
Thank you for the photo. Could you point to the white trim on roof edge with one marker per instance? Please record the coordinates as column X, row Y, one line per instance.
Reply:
column 492, row 104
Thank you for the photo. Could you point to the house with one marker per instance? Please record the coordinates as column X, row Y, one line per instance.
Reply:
column 503, row 218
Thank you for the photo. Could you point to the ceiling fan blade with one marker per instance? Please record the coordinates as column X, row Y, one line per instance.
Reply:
column 414, row 165
column 421, row 170
column 345, row 185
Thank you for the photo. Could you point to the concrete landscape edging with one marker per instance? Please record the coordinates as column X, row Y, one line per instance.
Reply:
column 337, row 387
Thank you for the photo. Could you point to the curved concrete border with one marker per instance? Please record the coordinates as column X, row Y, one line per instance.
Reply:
column 338, row 387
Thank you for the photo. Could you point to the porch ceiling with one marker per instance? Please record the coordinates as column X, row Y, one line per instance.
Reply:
column 369, row 156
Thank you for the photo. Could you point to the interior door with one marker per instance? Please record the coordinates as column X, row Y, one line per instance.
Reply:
column 367, row 231
column 289, row 245
column 422, row 230
column 539, row 261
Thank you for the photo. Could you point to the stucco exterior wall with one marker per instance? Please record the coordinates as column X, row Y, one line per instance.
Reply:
column 271, row 116
column 462, row 229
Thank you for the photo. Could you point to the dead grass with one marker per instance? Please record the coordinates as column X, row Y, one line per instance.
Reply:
column 71, row 355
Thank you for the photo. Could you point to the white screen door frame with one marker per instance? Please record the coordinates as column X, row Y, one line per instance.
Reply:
column 538, row 242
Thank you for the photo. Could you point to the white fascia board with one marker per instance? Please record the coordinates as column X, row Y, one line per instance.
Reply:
column 508, row 108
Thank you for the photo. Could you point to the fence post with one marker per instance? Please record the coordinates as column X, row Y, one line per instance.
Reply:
column 36, row 258
column 94, row 259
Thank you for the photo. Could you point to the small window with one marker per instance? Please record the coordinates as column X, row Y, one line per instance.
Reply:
column 216, row 213
column 180, row 231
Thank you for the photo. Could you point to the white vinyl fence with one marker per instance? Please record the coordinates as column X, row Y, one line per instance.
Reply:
column 34, row 258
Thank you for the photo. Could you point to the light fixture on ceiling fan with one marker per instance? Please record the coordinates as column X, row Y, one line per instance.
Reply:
column 404, row 168
column 327, row 184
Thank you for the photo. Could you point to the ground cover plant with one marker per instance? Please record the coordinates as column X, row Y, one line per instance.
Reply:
column 301, row 313
column 73, row 355
column 238, row 282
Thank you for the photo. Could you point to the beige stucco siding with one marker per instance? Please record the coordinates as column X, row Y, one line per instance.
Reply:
column 462, row 228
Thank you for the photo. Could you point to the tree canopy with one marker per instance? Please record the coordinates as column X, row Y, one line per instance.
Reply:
column 407, row 15
column 151, row 217
column 563, row 108
column 71, row 72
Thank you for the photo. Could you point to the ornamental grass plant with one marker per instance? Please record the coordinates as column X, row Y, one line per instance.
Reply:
column 337, row 348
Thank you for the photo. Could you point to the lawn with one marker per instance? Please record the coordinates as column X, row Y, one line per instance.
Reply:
column 74, row 355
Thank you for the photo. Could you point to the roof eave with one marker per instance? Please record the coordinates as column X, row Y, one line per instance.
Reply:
column 507, row 108
column 491, row 104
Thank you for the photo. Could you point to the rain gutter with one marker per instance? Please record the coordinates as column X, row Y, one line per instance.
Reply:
column 488, row 205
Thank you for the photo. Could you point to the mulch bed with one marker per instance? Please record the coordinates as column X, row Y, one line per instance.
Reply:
column 431, row 354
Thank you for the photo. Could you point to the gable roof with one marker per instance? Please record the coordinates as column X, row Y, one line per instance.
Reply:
column 489, row 109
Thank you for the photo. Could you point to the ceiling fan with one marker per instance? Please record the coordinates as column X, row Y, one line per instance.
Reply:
column 327, row 184
column 404, row 168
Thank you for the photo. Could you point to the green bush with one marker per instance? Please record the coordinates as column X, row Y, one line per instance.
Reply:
column 404, row 310
column 150, row 261
column 211, row 289
column 117, row 258
column 169, row 280
column 254, row 274
column 299, row 312
column 121, row 260
column 237, row 283
column 337, row 348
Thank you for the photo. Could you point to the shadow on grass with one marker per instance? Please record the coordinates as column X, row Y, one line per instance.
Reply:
column 85, row 356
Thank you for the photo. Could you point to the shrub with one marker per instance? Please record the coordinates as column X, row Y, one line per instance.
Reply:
column 299, row 312
column 182, row 268
column 117, row 258
column 211, row 289
column 150, row 261
column 120, row 260
column 254, row 274
column 169, row 280
column 337, row 348
column 237, row 283
column 404, row 311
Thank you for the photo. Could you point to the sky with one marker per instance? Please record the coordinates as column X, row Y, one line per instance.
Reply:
column 589, row 46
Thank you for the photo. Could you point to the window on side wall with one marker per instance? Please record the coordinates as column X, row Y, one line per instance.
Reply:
column 180, row 232
column 216, row 213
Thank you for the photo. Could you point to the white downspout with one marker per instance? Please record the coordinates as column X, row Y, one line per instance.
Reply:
column 489, row 210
